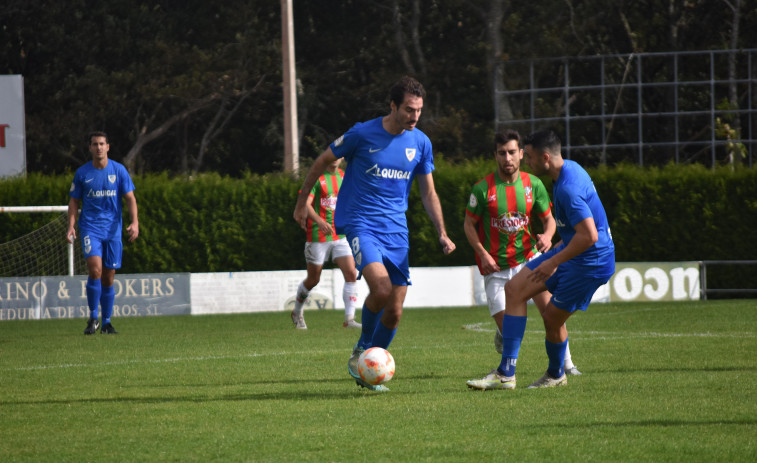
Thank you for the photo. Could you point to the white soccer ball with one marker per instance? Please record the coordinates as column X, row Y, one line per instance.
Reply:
column 376, row 366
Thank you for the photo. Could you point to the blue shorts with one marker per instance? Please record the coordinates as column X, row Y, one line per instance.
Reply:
column 391, row 249
column 572, row 286
column 109, row 250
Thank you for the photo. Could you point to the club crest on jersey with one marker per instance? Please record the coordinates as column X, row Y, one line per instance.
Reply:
column 410, row 153
column 112, row 178
column 510, row 222
column 529, row 196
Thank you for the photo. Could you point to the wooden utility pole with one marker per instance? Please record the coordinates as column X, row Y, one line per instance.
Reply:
column 291, row 143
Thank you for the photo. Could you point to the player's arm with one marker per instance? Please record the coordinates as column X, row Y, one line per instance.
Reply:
column 131, row 206
column 73, row 213
column 488, row 264
column 313, row 215
column 434, row 210
column 585, row 237
column 316, row 170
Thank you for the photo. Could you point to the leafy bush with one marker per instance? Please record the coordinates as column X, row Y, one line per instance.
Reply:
column 214, row 223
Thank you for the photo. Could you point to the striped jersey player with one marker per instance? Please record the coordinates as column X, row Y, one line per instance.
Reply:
column 570, row 273
column 322, row 242
column 498, row 227
column 324, row 194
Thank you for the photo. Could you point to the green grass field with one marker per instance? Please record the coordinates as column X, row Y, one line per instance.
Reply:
column 662, row 382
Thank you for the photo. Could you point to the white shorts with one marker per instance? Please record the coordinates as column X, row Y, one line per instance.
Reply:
column 494, row 284
column 318, row 252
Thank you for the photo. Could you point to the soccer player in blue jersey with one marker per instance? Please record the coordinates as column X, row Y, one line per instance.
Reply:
column 384, row 156
column 99, row 187
column 572, row 271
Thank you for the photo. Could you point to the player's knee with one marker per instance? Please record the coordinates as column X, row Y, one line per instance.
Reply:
column 382, row 292
column 513, row 291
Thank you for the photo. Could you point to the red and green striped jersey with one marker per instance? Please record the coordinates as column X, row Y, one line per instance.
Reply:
column 503, row 212
column 324, row 195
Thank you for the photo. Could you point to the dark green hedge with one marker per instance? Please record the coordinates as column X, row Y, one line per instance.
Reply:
column 212, row 223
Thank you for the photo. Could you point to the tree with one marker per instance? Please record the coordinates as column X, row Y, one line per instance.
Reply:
column 191, row 86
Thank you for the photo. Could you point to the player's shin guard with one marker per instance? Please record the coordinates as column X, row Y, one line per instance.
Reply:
column 370, row 320
column 383, row 336
column 349, row 295
column 107, row 297
column 94, row 290
column 556, row 354
column 513, row 329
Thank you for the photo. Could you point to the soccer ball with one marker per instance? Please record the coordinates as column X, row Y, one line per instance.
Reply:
column 376, row 366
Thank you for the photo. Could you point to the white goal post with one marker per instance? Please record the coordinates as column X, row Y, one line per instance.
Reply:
column 34, row 209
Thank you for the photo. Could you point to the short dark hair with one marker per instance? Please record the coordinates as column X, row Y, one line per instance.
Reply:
column 406, row 85
column 544, row 141
column 97, row 134
column 501, row 138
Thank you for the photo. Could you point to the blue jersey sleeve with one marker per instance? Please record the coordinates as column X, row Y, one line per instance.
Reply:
column 577, row 207
column 125, row 184
column 76, row 186
column 346, row 145
column 426, row 166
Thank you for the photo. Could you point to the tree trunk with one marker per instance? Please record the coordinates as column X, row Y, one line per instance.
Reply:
column 493, row 19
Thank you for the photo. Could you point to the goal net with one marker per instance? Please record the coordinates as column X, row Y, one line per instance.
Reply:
column 42, row 252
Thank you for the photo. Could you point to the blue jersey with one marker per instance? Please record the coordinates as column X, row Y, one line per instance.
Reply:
column 100, row 192
column 380, row 171
column 576, row 199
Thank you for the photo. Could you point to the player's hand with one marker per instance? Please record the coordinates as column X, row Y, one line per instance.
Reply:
column 543, row 244
column 70, row 235
column 301, row 215
column 325, row 227
column 133, row 231
column 542, row 273
column 488, row 264
column 447, row 245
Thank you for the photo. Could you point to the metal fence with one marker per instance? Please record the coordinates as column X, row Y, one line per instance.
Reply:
column 645, row 108
column 737, row 269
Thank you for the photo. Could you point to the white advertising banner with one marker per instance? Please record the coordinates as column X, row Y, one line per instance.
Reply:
column 26, row 298
column 12, row 126
column 655, row 281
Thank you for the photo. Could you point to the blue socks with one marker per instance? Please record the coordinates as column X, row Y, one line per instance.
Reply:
column 513, row 329
column 94, row 290
column 369, row 320
column 383, row 336
column 107, row 297
column 374, row 333
column 100, row 296
column 556, row 354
